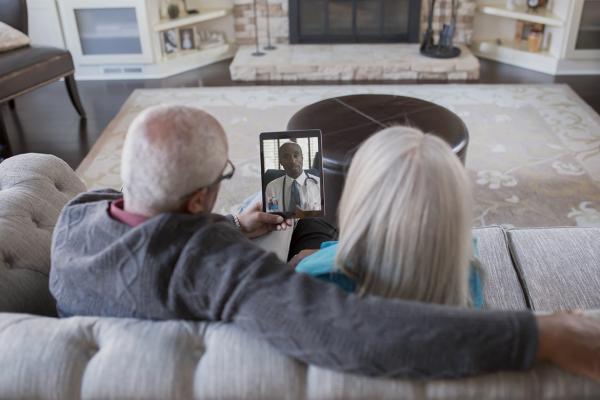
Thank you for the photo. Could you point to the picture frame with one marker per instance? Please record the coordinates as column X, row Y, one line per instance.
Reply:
column 187, row 38
column 207, row 39
column 170, row 41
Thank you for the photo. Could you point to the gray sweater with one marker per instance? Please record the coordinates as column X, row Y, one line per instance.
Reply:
column 199, row 267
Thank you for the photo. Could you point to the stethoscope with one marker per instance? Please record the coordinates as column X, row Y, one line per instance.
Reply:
column 305, row 185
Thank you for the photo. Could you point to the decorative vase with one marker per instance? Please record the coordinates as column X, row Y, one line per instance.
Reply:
column 173, row 11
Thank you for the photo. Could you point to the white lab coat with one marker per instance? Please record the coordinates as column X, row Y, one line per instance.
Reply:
column 310, row 193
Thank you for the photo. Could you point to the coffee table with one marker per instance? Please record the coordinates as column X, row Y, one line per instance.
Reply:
column 348, row 120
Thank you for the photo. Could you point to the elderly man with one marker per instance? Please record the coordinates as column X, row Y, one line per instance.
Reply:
column 297, row 190
column 158, row 252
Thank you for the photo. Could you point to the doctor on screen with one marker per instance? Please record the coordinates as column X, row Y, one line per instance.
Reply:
column 297, row 190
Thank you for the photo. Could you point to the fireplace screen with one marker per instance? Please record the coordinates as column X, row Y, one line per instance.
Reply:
column 352, row 21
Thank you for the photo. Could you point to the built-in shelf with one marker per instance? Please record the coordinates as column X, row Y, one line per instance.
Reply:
column 174, row 64
column 187, row 54
column 539, row 16
column 515, row 53
column 110, row 35
column 165, row 25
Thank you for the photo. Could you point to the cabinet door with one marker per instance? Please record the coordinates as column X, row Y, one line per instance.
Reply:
column 584, row 36
column 45, row 28
column 107, row 31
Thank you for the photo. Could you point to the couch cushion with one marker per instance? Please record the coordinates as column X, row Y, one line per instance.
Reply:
column 560, row 266
column 111, row 358
column 25, row 68
column 100, row 358
column 33, row 190
column 235, row 363
column 502, row 289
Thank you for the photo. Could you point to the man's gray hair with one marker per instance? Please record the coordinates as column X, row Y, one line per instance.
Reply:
column 405, row 219
column 169, row 152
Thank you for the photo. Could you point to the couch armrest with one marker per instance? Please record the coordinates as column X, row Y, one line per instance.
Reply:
column 33, row 190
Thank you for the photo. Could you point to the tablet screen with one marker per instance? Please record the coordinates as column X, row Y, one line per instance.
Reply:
column 292, row 173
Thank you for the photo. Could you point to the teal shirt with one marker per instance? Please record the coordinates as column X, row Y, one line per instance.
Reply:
column 320, row 265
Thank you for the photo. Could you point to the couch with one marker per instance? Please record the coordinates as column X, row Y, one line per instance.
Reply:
column 43, row 357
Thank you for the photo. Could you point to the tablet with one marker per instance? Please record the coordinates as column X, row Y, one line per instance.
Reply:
column 292, row 173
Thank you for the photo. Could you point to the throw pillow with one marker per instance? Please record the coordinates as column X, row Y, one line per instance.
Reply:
column 10, row 38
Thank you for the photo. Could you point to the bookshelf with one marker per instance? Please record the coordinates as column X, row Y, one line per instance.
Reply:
column 540, row 16
column 127, row 39
column 190, row 20
column 495, row 36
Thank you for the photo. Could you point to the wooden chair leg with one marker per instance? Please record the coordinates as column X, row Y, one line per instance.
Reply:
column 5, row 150
column 74, row 94
column 11, row 104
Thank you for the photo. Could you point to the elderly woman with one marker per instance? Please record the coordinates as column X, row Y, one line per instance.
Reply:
column 405, row 223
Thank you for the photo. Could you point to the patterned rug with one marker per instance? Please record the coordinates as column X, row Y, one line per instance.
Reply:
column 534, row 154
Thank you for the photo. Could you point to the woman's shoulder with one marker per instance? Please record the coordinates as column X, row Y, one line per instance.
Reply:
column 320, row 262
column 321, row 265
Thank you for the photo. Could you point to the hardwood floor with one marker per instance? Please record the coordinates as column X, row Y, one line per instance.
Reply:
column 44, row 120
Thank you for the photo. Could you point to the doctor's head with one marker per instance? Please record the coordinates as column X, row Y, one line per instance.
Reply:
column 405, row 218
column 174, row 158
column 291, row 159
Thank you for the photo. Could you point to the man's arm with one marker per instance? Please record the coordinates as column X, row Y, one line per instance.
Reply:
column 320, row 324
column 317, row 323
column 571, row 341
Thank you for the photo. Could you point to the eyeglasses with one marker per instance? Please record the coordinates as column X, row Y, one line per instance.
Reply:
column 227, row 174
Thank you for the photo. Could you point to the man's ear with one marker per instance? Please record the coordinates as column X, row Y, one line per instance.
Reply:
column 197, row 203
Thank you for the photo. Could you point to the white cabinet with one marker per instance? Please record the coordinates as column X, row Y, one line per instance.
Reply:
column 124, row 39
column 107, row 31
column 571, row 29
column 584, row 33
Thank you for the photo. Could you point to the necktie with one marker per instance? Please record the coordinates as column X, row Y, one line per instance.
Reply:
column 295, row 200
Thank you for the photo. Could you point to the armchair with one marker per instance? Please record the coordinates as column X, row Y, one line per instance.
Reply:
column 25, row 69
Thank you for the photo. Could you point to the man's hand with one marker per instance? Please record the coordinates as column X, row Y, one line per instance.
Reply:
column 300, row 256
column 254, row 222
column 571, row 341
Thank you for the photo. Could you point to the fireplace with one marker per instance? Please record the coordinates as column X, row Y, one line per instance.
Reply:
column 354, row 21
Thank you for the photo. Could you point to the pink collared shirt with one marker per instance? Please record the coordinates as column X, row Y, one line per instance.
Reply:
column 117, row 212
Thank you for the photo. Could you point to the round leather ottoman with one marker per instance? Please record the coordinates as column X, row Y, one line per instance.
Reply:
column 347, row 121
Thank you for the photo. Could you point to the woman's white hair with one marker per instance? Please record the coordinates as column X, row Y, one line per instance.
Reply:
column 169, row 152
column 405, row 219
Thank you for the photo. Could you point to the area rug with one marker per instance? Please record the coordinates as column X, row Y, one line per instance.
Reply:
column 534, row 152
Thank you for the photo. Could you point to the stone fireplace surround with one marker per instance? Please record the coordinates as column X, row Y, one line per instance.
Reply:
column 347, row 62
column 279, row 23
